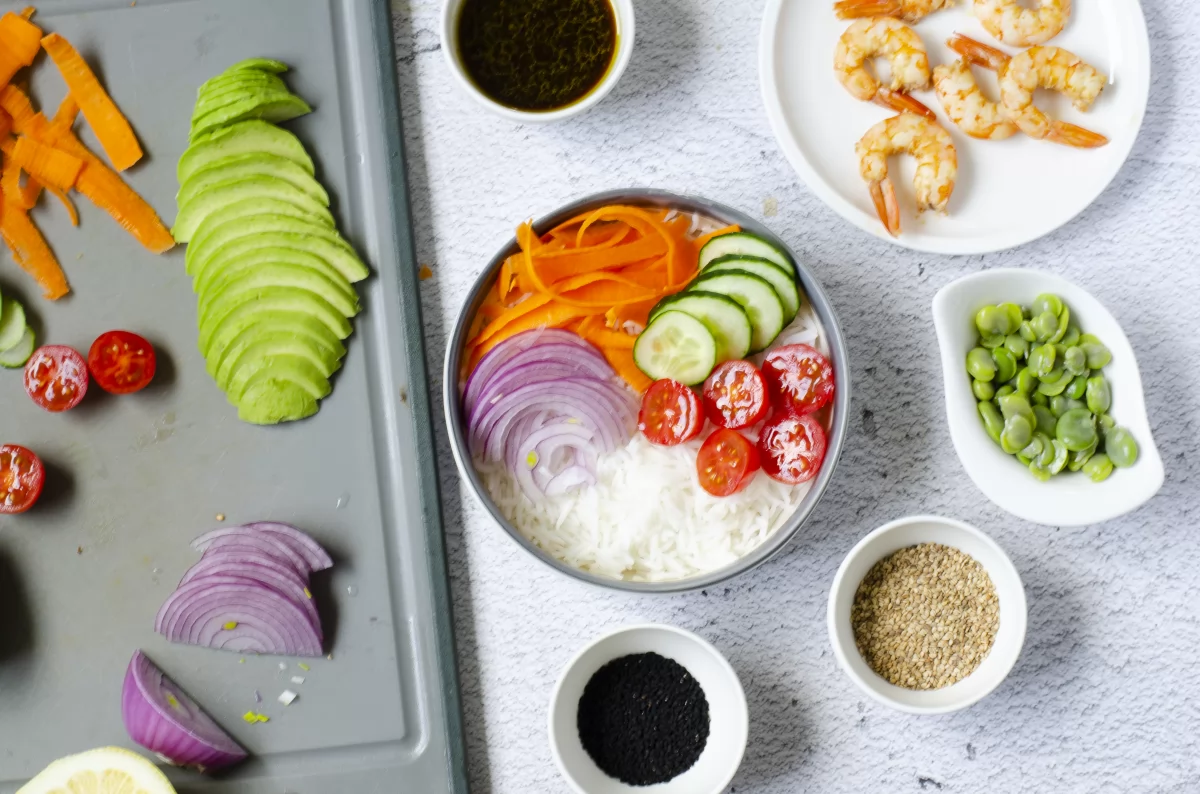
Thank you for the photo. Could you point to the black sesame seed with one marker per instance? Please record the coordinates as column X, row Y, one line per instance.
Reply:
column 643, row 719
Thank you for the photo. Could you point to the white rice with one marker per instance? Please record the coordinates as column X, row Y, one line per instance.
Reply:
column 647, row 519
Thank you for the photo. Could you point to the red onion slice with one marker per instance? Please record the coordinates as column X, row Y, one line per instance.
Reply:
column 247, row 543
column 279, row 577
column 583, row 362
column 236, row 614
column 509, row 348
column 315, row 557
column 159, row 716
column 509, row 380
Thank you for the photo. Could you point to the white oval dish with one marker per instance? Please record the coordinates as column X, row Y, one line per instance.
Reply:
column 1067, row 500
column 1008, row 192
column 729, row 721
column 623, row 10
column 900, row 534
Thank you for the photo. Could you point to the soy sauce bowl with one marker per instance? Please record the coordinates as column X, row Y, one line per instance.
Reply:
column 623, row 13
column 729, row 721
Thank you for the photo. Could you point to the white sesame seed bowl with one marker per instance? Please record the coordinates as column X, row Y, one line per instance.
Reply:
column 911, row 531
column 729, row 721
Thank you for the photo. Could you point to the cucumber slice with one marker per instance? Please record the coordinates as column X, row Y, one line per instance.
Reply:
column 755, row 294
column 746, row 244
column 12, row 323
column 724, row 317
column 16, row 356
column 676, row 345
column 782, row 281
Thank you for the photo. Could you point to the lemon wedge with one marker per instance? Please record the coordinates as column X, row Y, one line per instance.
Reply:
column 107, row 770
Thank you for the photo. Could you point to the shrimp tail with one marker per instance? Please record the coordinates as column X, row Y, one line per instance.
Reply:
column 903, row 103
column 1073, row 135
column 978, row 53
column 856, row 9
column 883, row 193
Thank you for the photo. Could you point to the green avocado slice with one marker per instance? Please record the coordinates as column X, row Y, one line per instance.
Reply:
column 258, row 64
column 211, row 236
column 246, row 265
column 269, row 402
column 250, row 164
column 241, row 138
column 266, row 353
column 234, row 86
column 284, row 367
column 329, row 246
column 216, row 303
column 276, row 324
column 236, row 190
column 272, row 106
column 228, row 324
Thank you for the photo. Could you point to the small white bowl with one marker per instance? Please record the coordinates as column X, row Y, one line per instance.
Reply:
column 622, row 9
column 1068, row 500
column 900, row 534
column 729, row 721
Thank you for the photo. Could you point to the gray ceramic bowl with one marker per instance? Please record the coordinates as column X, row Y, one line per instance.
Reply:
column 659, row 199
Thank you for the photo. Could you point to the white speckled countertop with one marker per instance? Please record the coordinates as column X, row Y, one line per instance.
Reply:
column 1105, row 697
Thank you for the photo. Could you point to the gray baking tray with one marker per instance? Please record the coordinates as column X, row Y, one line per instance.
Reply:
column 133, row 479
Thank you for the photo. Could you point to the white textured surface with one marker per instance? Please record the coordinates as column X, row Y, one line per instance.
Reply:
column 1106, row 696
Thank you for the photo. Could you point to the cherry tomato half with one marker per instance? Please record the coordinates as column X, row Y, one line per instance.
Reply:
column 726, row 463
column 792, row 448
column 56, row 378
column 21, row 479
column 735, row 395
column 670, row 414
column 799, row 378
column 121, row 362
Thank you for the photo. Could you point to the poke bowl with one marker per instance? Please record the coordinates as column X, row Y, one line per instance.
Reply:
column 626, row 508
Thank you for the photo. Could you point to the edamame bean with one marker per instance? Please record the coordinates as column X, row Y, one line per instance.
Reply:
column 1006, row 363
column 1076, row 429
column 1045, row 325
column 1099, row 467
column 993, row 422
column 1060, row 405
column 1120, row 447
column 1026, row 332
column 1106, row 423
column 1037, row 398
column 1047, row 456
column 1025, row 381
column 1017, row 345
column 1098, row 355
column 1017, row 433
column 1089, row 339
column 1061, row 455
column 1078, row 388
column 992, row 320
column 1064, row 319
column 1047, row 302
column 1004, row 391
column 980, row 365
column 1042, row 359
column 1015, row 316
column 1014, row 404
column 983, row 389
column 1075, row 361
column 1046, row 420
column 1071, row 337
column 1099, row 395
column 1032, row 451
column 1054, row 386
column 1082, row 457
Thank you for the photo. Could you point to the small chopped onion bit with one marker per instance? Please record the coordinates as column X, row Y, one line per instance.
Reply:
column 297, row 679
column 287, row 697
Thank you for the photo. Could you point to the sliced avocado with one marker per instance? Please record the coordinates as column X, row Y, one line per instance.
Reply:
column 233, row 87
column 240, row 209
column 272, row 106
column 222, row 194
column 240, row 138
column 250, row 286
column 18, row 354
column 269, row 402
column 246, row 165
column 259, row 64
column 239, row 76
column 272, row 325
column 333, row 250
column 227, row 325
column 209, row 240
column 262, row 355
column 248, row 263
column 293, row 369
column 12, row 323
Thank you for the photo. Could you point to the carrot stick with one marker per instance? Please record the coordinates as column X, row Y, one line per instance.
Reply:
column 31, row 252
column 64, row 117
column 557, row 266
column 550, row 315
column 46, row 164
column 64, row 199
column 704, row 238
column 112, row 128
column 638, row 313
column 621, row 359
column 20, row 41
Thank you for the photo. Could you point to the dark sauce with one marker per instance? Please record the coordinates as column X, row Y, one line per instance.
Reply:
column 537, row 54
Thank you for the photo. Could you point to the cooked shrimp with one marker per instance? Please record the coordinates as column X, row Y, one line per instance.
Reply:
column 908, row 10
column 962, row 98
column 1018, row 26
column 905, row 52
column 937, row 164
column 1040, row 67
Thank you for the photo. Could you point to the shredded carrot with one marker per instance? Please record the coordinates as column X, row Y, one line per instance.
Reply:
column 28, row 12
column 64, row 117
column 621, row 359
column 111, row 128
column 31, row 251
column 552, row 314
column 47, row 165
column 704, row 238
column 66, row 202
column 20, row 41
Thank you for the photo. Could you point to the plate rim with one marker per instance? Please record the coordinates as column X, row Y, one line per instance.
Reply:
column 770, row 92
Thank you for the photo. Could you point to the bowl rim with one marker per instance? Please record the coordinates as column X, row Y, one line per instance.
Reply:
column 967, row 437
column 840, row 415
column 712, row 650
column 623, row 12
column 837, row 630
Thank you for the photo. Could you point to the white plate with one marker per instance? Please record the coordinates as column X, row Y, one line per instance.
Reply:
column 1008, row 192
